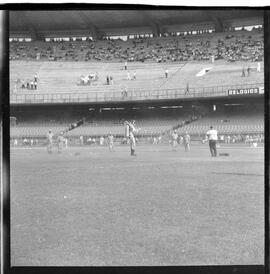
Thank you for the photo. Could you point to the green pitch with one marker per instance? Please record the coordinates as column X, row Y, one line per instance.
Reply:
column 88, row 206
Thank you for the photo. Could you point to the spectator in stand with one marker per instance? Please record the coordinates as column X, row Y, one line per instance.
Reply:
column 81, row 140
column 259, row 67
column 35, row 78
column 111, row 79
column 248, row 70
column 35, row 84
column 231, row 47
column 32, row 85
column 243, row 72
column 23, row 84
column 128, row 76
column 124, row 92
column 166, row 73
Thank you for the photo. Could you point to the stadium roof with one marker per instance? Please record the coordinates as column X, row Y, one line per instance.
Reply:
column 115, row 21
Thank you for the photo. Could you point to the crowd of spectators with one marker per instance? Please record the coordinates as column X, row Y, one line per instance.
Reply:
column 230, row 46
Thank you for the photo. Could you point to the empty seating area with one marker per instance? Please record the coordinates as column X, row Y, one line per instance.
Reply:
column 234, row 121
column 99, row 128
column 150, row 122
column 237, row 120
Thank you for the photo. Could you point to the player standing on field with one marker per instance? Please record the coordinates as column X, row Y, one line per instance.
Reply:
column 174, row 140
column 60, row 142
column 110, row 140
column 130, row 131
column 49, row 137
column 212, row 136
column 187, row 141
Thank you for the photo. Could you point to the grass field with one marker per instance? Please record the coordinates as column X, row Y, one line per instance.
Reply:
column 88, row 207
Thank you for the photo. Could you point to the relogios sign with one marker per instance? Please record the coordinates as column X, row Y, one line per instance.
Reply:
column 245, row 91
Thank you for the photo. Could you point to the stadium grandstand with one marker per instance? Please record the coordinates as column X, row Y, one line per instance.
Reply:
column 153, row 70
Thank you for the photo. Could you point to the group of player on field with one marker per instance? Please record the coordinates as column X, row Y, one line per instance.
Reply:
column 176, row 138
column 61, row 141
column 130, row 132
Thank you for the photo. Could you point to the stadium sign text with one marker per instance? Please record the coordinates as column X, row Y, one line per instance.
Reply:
column 243, row 91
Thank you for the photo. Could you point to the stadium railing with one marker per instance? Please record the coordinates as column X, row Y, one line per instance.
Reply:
column 135, row 94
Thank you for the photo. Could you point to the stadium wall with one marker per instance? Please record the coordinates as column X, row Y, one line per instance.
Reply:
column 139, row 95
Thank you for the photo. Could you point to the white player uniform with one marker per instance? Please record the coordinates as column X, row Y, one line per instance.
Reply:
column 49, row 142
column 187, row 142
column 60, row 143
column 110, row 140
column 130, row 131
column 174, row 140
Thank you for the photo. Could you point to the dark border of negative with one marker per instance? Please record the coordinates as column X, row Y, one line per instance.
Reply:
column 224, row 269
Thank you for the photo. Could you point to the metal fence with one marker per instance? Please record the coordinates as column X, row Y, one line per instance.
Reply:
column 126, row 95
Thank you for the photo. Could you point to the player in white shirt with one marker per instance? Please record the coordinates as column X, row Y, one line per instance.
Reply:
column 110, row 141
column 81, row 140
column 49, row 141
column 60, row 142
column 174, row 140
column 130, row 130
column 101, row 140
column 212, row 136
column 186, row 141
column 66, row 142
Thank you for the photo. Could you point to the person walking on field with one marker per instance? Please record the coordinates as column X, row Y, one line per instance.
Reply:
column 166, row 73
column 60, row 142
column 49, row 137
column 212, row 137
column 174, row 137
column 128, row 76
column 187, row 141
column 110, row 141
